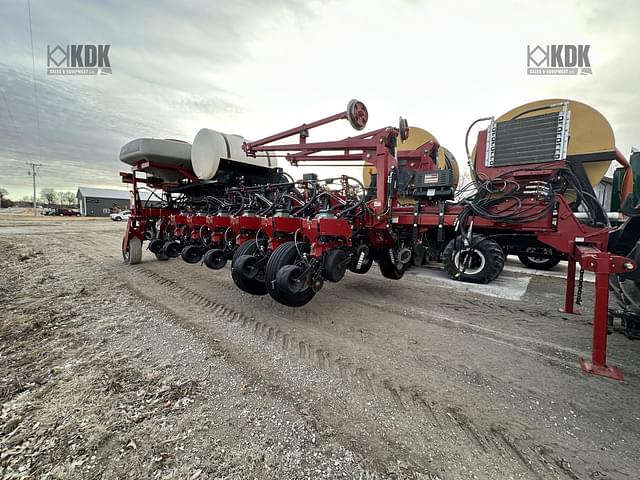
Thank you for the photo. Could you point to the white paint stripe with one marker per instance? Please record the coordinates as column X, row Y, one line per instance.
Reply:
column 505, row 286
column 560, row 271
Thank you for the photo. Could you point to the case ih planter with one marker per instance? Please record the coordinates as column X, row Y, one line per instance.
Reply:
column 532, row 169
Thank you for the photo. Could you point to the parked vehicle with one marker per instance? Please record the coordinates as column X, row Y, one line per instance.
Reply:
column 118, row 217
column 66, row 212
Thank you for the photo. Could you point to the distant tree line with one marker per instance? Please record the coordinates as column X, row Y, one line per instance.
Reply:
column 50, row 198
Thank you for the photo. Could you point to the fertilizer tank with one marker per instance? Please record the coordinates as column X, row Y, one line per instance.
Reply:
column 590, row 138
column 539, row 133
column 216, row 155
column 174, row 154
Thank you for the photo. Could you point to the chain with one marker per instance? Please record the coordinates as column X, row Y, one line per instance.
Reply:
column 580, row 281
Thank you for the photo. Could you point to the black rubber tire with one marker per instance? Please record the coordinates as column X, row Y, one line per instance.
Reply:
column 253, row 286
column 133, row 254
column 212, row 259
column 287, row 278
column 161, row 257
column 335, row 265
column 172, row 249
column 388, row 268
column 542, row 264
column 286, row 254
column 155, row 246
column 117, row 219
column 487, row 249
column 192, row 254
column 364, row 268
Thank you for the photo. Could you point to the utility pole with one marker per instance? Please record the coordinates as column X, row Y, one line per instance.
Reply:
column 33, row 172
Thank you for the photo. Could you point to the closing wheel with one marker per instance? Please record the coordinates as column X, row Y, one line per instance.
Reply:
column 132, row 255
column 539, row 263
column 335, row 265
column 172, row 249
column 289, row 279
column 388, row 267
column 362, row 260
column 364, row 267
column 480, row 262
column 155, row 246
column 215, row 259
column 161, row 256
column 192, row 253
column 285, row 255
column 245, row 274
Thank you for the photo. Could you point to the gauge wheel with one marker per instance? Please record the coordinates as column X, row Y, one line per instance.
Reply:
column 132, row 255
column 244, row 258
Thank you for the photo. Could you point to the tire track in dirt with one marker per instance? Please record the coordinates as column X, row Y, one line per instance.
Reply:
column 449, row 422
column 414, row 310
column 550, row 351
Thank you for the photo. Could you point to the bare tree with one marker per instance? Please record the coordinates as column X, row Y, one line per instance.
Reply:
column 60, row 198
column 66, row 198
column 70, row 198
column 49, row 196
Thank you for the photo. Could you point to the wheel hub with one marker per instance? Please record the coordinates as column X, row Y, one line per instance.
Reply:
column 469, row 261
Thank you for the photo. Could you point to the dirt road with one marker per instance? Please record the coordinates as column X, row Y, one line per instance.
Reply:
column 166, row 370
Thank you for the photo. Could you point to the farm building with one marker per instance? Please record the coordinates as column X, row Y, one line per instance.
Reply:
column 100, row 202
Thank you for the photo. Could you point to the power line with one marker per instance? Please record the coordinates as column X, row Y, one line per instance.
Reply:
column 35, row 88
column 13, row 122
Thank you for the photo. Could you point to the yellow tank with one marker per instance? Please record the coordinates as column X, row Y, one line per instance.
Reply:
column 589, row 132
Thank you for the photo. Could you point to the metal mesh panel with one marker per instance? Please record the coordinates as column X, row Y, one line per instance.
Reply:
column 529, row 140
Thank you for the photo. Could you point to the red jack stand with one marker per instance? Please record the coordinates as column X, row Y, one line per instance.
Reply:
column 602, row 264
column 609, row 372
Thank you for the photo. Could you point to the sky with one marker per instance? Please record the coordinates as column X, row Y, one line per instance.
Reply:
column 255, row 67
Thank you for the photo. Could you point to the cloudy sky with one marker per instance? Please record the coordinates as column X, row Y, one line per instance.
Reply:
column 254, row 67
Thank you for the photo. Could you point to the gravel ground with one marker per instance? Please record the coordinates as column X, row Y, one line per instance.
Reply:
column 166, row 370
